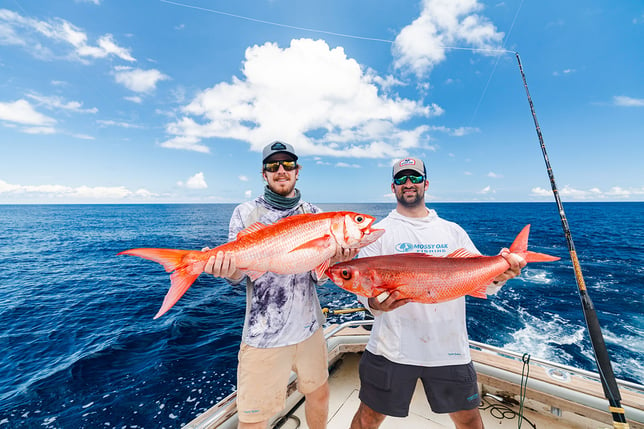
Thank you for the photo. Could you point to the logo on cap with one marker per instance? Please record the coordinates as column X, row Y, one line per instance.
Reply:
column 407, row 162
column 278, row 146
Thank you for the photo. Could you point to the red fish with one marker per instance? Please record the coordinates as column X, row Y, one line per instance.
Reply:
column 429, row 279
column 295, row 244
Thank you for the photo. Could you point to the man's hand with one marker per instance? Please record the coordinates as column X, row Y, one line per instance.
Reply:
column 516, row 264
column 387, row 301
column 223, row 265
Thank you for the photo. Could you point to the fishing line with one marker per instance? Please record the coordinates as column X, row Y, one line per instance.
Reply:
column 331, row 33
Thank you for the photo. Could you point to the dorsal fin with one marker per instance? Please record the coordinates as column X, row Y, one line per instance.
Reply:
column 462, row 253
column 257, row 226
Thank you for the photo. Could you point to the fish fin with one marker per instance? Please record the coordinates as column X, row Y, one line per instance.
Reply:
column 171, row 259
column 479, row 292
column 317, row 243
column 320, row 270
column 462, row 253
column 520, row 246
column 520, row 243
column 181, row 280
column 182, row 277
column 539, row 257
column 257, row 226
column 254, row 275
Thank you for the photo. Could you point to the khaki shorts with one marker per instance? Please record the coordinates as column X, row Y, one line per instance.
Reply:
column 263, row 374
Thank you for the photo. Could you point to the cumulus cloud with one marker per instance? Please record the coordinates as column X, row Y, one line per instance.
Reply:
column 197, row 181
column 443, row 23
column 56, row 38
column 22, row 112
column 568, row 192
column 138, row 80
column 487, row 190
column 73, row 193
column 307, row 89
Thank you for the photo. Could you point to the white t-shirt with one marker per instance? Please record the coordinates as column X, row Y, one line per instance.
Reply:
column 420, row 334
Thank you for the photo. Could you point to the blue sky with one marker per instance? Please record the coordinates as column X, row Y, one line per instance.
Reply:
column 121, row 101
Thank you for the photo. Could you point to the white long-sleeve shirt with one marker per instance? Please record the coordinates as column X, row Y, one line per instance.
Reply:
column 420, row 334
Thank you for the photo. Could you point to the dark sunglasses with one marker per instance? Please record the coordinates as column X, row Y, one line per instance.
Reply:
column 275, row 165
column 414, row 179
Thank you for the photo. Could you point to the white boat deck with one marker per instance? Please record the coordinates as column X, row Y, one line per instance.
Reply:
column 556, row 396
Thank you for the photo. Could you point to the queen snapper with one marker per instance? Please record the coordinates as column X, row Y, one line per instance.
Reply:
column 429, row 279
column 295, row 244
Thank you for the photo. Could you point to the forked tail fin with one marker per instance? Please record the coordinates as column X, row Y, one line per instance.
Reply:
column 520, row 246
column 182, row 276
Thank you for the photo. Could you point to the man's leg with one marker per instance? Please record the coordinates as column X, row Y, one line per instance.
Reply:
column 366, row 418
column 467, row 419
column 316, row 407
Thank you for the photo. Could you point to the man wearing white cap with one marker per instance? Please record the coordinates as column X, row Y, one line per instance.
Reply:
column 410, row 340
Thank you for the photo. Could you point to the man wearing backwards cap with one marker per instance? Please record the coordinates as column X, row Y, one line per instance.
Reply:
column 283, row 323
column 411, row 340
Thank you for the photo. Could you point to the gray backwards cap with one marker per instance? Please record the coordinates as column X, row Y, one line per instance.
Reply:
column 413, row 164
column 278, row 147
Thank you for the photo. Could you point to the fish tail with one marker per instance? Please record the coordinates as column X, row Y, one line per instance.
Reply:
column 520, row 246
column 173, row 260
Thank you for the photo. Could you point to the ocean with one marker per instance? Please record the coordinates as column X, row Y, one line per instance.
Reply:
column 79, row 347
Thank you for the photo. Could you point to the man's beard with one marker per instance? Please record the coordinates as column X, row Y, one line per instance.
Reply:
column 280, row 190
column 410, row 203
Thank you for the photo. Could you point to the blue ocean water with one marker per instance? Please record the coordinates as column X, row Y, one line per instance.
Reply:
column 80, row 348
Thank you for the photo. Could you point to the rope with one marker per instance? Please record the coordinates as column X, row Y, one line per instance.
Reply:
column 525, row 375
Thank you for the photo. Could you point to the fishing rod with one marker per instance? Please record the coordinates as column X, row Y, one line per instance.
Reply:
column 606, row 375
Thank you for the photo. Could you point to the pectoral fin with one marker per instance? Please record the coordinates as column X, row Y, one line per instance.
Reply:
column 318, row 243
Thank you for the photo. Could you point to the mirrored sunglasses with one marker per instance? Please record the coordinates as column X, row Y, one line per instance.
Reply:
column 414, row 179
column 272, row 167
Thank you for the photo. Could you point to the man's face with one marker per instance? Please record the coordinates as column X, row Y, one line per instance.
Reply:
column 407, row 193
column 282, row 182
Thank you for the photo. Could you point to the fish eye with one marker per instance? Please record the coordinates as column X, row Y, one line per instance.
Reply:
column 359, row 218
column 345, row 274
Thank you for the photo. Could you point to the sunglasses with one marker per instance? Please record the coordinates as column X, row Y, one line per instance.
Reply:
column 414, row 179
column 272, row 167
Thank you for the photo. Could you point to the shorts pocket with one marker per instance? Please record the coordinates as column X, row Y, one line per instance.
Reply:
column 376, row 371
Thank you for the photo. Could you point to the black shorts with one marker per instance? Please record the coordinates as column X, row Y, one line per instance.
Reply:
column 387, row 387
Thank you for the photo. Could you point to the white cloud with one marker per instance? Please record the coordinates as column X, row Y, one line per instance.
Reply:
column 622, row 100
column 110, row 123
column 243, row 178
column 494, row 175
column 138, row 80
column 54, row 102
column 248, row 194
column 73, row 193
column 197, row 181
column 570, row 193
column 55, row 38
column 305, row 89
column 443, row 23
column 347, row 165
column 564, row 72
column 487, row 190
column 22, row 112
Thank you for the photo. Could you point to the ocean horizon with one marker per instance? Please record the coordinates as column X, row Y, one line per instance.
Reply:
column 82, row 350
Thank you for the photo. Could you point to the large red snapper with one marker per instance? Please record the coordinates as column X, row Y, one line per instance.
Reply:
column 429, row 279
column 293, row 245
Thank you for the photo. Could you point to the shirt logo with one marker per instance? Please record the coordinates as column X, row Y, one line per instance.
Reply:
column 278, row 146
column 404, row 247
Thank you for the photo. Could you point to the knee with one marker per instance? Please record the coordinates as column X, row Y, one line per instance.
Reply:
column 321, row 394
